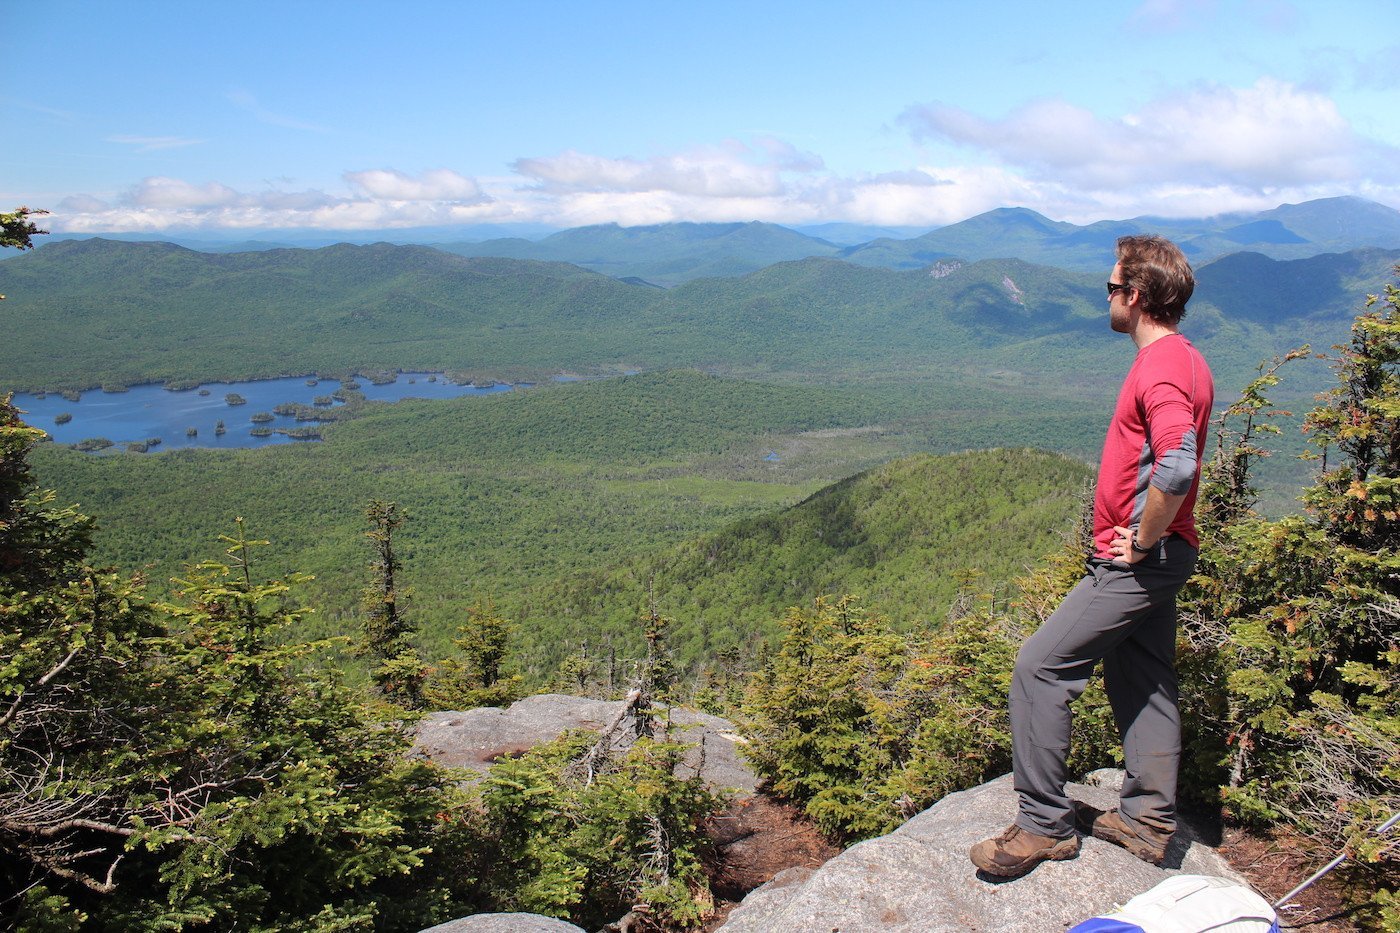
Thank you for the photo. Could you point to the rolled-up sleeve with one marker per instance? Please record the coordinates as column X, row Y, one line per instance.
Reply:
column 1172, row 433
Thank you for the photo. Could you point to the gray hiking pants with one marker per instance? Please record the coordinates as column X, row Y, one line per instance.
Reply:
column 1126, row 617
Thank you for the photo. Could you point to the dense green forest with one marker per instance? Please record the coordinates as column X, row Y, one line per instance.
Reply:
column 191, row 763
column 903, row 536
column 507, row 494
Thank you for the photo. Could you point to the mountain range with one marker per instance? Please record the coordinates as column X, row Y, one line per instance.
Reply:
column 94, row 312
column 668, row 254
column 1291, row 231
column 665, row 254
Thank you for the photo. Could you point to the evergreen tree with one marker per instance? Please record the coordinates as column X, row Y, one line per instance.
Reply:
column 587, row 844
column 476, row 675
column 16, row 229
column 815, row 716
column 73, row 642
column 575, row 673
column 656, row 674
column 1292, row 624
column 184, row 764
column 399, row 671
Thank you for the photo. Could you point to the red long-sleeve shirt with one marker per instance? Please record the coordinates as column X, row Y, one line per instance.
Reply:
column 1156, row 438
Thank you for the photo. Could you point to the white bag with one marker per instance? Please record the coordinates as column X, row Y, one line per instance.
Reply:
column 1189, row 904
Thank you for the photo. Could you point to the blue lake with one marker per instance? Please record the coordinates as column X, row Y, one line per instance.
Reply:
column 149, row 411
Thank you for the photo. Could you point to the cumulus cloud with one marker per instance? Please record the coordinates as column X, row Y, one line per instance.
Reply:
column 380, row 199
column 154, row 143
column 436, row 185
column 1272, row 134
column 82, row 204
column 730, row 170
column 171, row 193
column 1203, row 150
column 785, row 156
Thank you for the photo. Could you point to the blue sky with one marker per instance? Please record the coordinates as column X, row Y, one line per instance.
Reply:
column 237, row 117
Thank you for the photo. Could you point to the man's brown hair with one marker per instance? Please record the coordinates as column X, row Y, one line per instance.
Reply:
column 1158, row 270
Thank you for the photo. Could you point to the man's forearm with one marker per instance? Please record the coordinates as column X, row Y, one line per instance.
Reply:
column 1157, row 515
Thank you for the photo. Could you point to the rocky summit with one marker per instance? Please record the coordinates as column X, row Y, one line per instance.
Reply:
column 917, row 878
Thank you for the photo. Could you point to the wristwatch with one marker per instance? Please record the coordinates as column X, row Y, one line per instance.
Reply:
column 1138, row 548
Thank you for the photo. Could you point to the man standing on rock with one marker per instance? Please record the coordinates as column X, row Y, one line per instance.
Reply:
column 1124, row 610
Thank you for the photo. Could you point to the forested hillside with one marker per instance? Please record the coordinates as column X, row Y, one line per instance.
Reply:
column 905, row 537
column 507, row 494
column 522, row 488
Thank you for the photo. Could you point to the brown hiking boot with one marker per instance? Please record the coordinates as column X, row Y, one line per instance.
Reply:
column 1015, row 852
column 1147, row 844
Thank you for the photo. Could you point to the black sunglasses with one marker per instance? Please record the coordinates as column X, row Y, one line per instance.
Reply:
column 1114, row 286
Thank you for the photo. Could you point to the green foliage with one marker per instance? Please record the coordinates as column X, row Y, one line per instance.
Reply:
column 39, row 543
column 811, row 716
column 865, row 727
column 398, row 670
column 190, row 764
column 897, row 536
column 1292, row 650
column 184, row 764
column 952, row 701
column 16, row 229
column 507, row 492
column 658, row 674
column 587, row 844
column 319, row 806
column 475, row 674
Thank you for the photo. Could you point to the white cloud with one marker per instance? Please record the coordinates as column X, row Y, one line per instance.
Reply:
column 82, row 204
column 730, row 170
column 1203, row 150
column 173, row 194
column 384, row 199
column 784, row 155
column 1269, row 135
column 154, row 143
column 436, row 185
